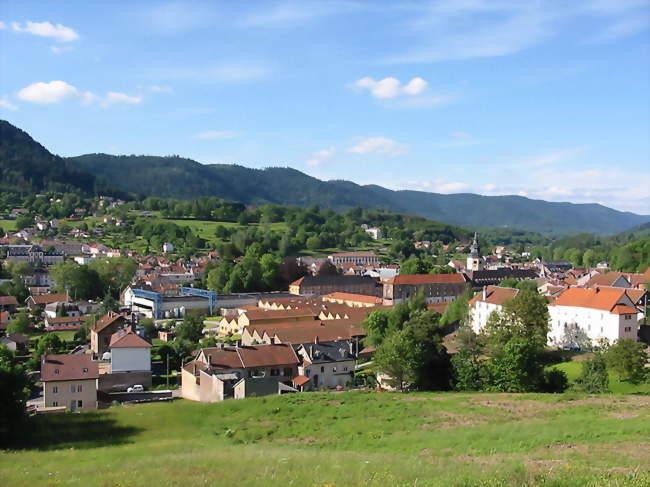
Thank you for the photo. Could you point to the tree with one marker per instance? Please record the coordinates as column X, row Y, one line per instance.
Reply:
column 467, row 371
column 14, row 384
column 396, row 357
column 190, row 329
column 431, row 360
column 270, row 265
column 20, row 324
column 327, row 269
column 594, row 378
column 50, row 343
column 376, row 326
column 517, row 368
column 149, row 326
column 628, row 359
column 413, row 265
column 24, row 221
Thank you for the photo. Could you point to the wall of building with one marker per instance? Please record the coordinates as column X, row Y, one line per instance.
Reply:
column 480, row 313
column 121, row 381
column 595, row 324
column 130, row 359
column 60, row 393
column 329, row 375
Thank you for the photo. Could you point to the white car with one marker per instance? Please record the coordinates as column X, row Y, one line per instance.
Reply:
column 135, row 388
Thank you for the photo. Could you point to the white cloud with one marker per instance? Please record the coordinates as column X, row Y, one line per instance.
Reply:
column 217, row 134
column 60, row 49
column 451, row 187
column 460, row 135
column 392, row 87
column 58, row 32
column 115, row 97
column 379, row 145
column 2, row 25
column 6, row 104
column 52, row 92
column 58, row 91
column 321, row 156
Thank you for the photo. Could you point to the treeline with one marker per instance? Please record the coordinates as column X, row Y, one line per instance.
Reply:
column 626, row 252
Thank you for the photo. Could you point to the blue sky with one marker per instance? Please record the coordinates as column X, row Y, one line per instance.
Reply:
column 548, row 99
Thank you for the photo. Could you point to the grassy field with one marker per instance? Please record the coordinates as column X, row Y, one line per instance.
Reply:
column 342, row 439
column 8, row 225
column 574, row 368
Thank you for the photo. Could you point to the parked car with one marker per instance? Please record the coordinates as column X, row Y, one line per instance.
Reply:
column 136, row 388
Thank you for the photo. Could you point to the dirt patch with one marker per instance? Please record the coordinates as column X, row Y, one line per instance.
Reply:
column 520, row 408
column 335, row 403
column 543, row 466
column 305, row 440
column 624, row 415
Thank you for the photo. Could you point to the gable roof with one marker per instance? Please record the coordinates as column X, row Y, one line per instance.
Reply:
column 250, row 356
column 50, row 298
column 495, row 295
column 68, row 367
column 107, row 320
column 603, row 298
column 358, row 298
column 606, row 279
column 128, row 339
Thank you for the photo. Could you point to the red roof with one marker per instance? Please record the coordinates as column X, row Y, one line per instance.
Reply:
column 8, row 301
column 128, row 340
column 107, row 320
column 50, row 298
column 603, row 298
column 495, row 295
column 68, row 367
column 301, row 380
column 623, row 309
column 415, row 279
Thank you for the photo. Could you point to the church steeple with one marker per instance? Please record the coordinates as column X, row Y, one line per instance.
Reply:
column 475, row 260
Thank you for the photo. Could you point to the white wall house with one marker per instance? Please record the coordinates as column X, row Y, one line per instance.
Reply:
column 327, row 364
column 489, row 300
column 130, row 353
column 580, row 317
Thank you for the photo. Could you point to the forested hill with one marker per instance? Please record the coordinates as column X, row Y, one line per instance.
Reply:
column 184, row 178
column 28, row 167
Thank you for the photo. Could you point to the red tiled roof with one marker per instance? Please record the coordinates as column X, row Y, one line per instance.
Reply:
column 495, row 295
column 50, row 298
column 128, row 340
column 415, row 279
column 68, row 367
column 107, row 320
column 267, row 355
column 8, row 301
column 66, row 319
column 623, row 309
column 603, row 298
column 300, row 380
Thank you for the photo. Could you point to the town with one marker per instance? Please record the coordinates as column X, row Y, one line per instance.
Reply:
column 105, row 325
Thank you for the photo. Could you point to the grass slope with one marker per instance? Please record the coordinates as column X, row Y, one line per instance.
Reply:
column 351, row 438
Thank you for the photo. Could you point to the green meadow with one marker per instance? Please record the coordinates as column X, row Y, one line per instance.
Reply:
column 343, row 439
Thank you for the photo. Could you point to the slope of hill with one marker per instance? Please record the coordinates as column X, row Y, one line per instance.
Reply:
column 184, row 178
column 26, row 167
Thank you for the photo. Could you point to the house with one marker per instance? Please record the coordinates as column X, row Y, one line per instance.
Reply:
column 580, row 317
column 326, row 364
column 16, row 342
column 8, row 303
column 130, row 362
column 68, row 309
column 70, row 381
column 5, row 317
column 489, row 300
column 63, row 323
column 326, row 284
column 437, row 288
column 236, row 324
column 358, row 258
column 353, row 300
column 167, row 247
column 612, row 279
column 34, row 254
column 374, row 232
column 102, row 331
column 43, row 300
column 216, row 372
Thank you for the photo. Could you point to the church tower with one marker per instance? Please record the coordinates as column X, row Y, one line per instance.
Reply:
column 475, row 260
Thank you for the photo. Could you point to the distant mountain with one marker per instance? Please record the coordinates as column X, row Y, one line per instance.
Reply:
column 28, row 167
column 181, row 178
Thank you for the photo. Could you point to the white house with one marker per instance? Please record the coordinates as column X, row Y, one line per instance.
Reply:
column 486, row 302
column 327, row 364
column 129, row 352
column 167, row 247
column 580, row 317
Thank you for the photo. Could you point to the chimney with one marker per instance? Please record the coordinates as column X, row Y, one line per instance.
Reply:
column 484, row 293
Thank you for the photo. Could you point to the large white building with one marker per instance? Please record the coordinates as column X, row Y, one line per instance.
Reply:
column 580, row 317
column 129, row 353
column 489, row 300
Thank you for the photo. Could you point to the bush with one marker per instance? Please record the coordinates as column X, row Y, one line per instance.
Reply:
column 594, row 378
column 554, row 381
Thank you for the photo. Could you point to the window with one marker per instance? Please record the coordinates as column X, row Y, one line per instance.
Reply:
column 288, row 372
column 55, row 389
column 56, row 371
column 628, row 317
column 55, row 403
column 345, row 369
column 72, row 388
column 628, row 328
column 322, row 369
column 79, row 388
column 275, row 372
column 80, row 403
column 333, row 369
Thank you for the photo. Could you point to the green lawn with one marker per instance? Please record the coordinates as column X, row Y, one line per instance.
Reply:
column 342, row 439
column 8, row 225
column 574, row 368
